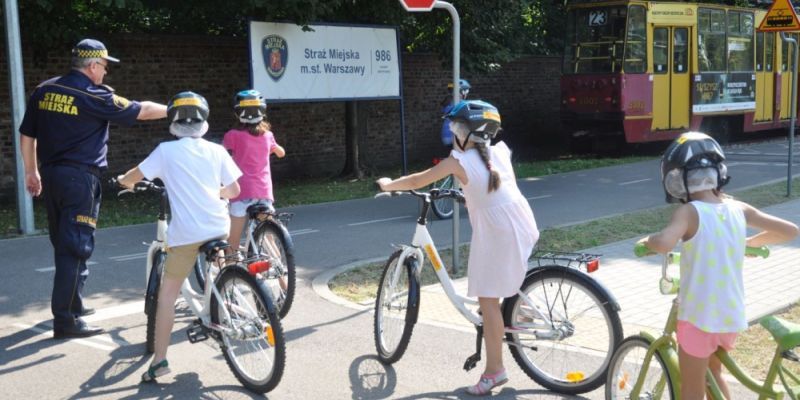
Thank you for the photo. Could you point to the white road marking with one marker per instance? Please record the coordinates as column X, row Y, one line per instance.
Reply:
column 121, row 310
column 378, row 220
column 539, row 197
column 53, row 268
column 303, row 232
column 85, row 342
column 128, row 257
column 636, row 181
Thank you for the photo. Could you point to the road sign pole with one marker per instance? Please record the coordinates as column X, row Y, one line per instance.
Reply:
column 456, row 98
column 793, row 119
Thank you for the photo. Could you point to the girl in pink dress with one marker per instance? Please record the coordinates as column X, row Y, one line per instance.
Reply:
column 250, row 144
column 503, row 227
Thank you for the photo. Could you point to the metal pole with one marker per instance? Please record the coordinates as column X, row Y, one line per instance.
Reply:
column 16, row 84
column 793, row 113
column 456, row 98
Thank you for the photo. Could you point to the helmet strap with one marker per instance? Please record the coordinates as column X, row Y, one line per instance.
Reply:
column 686, row 186
column 461, row 145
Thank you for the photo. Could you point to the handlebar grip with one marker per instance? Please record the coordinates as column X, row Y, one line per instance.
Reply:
column 640, row 250
column 762, row 251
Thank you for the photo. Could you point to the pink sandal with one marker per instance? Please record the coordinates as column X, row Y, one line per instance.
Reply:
column 487, row 383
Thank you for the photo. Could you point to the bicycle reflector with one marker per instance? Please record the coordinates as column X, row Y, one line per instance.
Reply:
column 258, row 267
column 593, row 265
column 575, row 376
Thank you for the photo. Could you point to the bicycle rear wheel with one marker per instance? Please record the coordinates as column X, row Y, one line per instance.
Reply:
column 570, row 355
column 626, row 366
column 393, row 326
column 281, row 277
column 252, row 340
column 151, row 298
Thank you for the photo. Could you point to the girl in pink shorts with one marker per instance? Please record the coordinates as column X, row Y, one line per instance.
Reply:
column 713, row 230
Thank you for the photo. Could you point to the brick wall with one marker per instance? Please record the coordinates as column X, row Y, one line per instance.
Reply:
column 156, row 67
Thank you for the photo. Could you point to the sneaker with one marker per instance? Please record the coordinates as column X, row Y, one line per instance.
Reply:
column 156, row 370
column 487, row 383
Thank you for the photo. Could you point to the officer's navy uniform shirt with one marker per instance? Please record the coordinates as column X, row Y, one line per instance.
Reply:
column 71, row 119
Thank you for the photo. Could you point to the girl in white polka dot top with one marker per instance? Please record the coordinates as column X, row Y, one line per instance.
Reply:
column 713, row 231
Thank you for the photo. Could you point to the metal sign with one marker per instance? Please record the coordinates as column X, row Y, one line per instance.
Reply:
column 780, row 17
column 418, row 5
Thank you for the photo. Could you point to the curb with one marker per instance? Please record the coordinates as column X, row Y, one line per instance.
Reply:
column 320, row 284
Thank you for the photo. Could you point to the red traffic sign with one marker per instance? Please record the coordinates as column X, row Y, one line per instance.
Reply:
column 418, row 5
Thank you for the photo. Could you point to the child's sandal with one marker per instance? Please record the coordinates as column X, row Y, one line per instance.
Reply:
column 487, row 383
column 156, row 370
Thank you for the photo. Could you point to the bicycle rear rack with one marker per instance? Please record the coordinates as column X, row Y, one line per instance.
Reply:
column 582, row 261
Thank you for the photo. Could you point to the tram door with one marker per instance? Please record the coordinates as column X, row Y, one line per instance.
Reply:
column 787, row 66
column 671, row 78
column 765, row 76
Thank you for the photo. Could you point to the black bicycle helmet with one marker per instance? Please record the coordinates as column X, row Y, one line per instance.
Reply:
column 481, row 121
column 691, row 150
column 463, row 88
column 187, row 108
column 249, row 106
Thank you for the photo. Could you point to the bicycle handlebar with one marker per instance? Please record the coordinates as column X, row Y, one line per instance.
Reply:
column 641, row 250
column 141, row 186
column 433, row 194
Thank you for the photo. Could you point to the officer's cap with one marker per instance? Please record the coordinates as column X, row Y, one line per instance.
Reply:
column 91, row 48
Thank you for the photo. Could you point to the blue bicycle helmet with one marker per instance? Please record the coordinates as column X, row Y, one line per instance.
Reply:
column 249, row 106
column 463, row 88
column 474, row 120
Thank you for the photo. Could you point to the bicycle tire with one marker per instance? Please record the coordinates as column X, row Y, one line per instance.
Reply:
column 443, row 208
column 385, row 325
column 621, row 381
column 270, row 233
column 253, row 313
column 151, row 298
column 578, row 362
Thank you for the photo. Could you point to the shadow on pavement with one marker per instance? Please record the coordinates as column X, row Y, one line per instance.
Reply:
column 11, row 351
column 370, row 379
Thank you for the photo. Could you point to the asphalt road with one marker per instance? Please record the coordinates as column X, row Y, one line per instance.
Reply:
column 330, row 350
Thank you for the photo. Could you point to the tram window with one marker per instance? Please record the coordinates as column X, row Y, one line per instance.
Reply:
column 636, row 40
column 787, row 59
column 760, row 51
column 711, row 40
column 680, row 50
column 595, row 40
column 769, row 51
column 740, row 41
column 660, row 50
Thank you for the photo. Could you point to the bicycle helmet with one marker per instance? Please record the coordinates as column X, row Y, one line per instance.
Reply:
column 474, row 120
column 463, row 88
column 249, row 106
column 693, row 162
column 187, row 113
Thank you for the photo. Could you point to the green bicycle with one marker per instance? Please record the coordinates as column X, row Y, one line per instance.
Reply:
column 633, row 374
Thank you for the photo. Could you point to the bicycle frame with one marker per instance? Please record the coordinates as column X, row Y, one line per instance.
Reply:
column 667, row 346
column 422, row 240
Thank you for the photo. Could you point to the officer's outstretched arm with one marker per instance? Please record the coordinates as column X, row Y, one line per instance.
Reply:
column 151, row 110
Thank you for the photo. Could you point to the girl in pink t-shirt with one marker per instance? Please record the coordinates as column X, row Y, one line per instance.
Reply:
column 250, row 144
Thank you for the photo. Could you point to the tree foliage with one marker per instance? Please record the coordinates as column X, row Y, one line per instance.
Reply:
column 491, row 32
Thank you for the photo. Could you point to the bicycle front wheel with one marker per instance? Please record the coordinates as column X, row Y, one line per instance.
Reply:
column 393, row 327
column 443, row 208
column 252, row 337
column 281, row 277
column 151, row 298
column 626, row 367
column 564, row 331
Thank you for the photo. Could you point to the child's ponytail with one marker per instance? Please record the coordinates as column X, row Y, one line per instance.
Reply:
column 494, row 176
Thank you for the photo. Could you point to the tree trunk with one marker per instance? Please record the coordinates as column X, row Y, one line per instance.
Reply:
column 352, row 167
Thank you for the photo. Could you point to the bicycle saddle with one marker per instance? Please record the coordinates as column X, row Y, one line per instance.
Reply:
column 259, row 208
column 786, row 333
column 213, row 246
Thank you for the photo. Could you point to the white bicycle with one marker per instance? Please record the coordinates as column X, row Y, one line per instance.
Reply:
column 235, row 308
column 562, row 326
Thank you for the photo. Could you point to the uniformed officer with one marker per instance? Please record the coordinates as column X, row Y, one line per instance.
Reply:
column 65, row 128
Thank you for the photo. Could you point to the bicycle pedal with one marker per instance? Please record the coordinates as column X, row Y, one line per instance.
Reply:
column 197, row 333
column 790, row 355
column 472, row 361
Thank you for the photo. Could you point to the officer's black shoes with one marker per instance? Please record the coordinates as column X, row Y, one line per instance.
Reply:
column 87, row 311
column 79, row 330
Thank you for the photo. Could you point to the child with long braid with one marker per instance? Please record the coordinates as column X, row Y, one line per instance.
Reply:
column 503, row 227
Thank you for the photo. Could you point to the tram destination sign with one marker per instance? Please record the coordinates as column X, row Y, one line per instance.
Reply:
column 780, row 17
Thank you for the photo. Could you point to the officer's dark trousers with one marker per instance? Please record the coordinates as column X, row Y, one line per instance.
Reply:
column 72, row 196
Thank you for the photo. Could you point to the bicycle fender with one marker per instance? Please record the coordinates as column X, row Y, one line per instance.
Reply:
column 412, row 264
column 582, row 276
column 670, row 357
column 153, row 280
column 283, row 232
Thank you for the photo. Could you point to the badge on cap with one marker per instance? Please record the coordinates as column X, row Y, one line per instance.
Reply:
column 91, row 48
